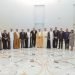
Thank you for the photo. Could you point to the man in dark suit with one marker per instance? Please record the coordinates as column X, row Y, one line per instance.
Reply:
column 33, row 37
column 26, row 40
column 55, row 36
column 60, row 37
column 66, row 39
column 9, row 46
column 5, row 40
column 22, row 37
column 48, row 40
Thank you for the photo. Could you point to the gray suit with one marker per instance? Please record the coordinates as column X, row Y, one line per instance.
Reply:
column 71, row 39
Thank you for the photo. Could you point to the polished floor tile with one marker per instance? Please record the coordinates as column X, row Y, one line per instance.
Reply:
column 37, row 61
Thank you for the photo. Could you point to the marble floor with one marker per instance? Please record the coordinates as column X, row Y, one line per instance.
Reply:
column 35, row 61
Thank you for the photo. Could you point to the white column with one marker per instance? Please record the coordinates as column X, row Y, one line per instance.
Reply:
column 39, row 16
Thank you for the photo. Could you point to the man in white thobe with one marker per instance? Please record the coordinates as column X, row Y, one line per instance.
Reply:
column 51, row 37
column 11, row 38
column 0, row 41
column 45, row 38
column 28, row 36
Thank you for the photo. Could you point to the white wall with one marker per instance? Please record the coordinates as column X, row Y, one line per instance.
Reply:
column 60, row 14
column 19, row 14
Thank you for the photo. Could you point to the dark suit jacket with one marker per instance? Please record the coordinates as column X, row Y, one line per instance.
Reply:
column 33, row 34
column 4, row 36
column 48, row 36
column 61, row 35
column 55, row 34
column 22, row 35
column 26, row 37
column 66, row 35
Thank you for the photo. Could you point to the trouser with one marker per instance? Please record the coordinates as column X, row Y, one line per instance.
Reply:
column 67, row 44
column 0, row 44
column 8, row 44
column 26, row 43
column 55, row 43
column 33, row 42
column 48, row 44
column 60, row 43
column 5, row 45
column 22, row 43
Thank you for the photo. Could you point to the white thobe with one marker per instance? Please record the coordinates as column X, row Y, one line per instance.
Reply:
column 51, row 38
column 28, row 34
column 0, row 35
column 0, row 40
column 45, row 39
column 11, row 39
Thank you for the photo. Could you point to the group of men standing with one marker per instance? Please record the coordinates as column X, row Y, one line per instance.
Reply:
column 56, row 38
column 40, row 39
column 28, row 39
